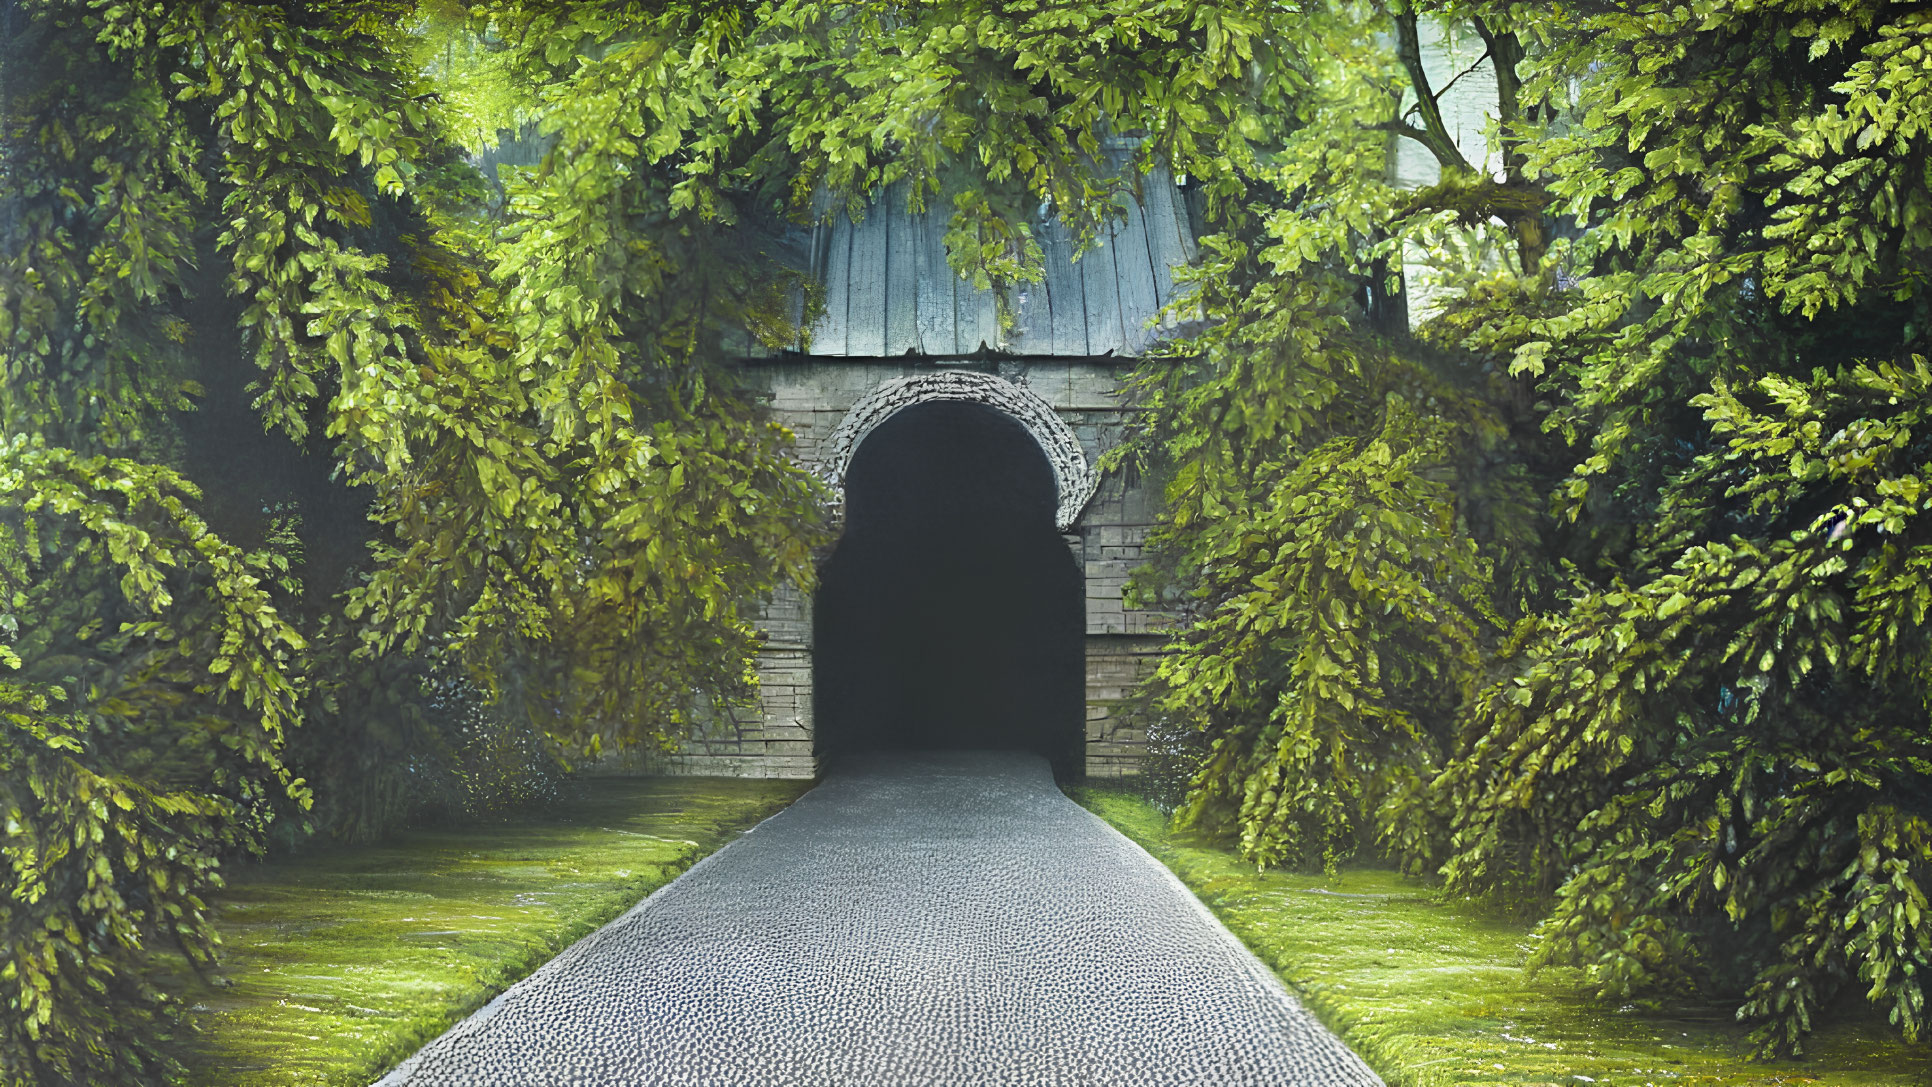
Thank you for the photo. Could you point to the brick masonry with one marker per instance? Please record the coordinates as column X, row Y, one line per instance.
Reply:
column 1071, row 408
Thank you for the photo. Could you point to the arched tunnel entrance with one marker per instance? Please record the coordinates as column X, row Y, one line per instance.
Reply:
column 951, row 613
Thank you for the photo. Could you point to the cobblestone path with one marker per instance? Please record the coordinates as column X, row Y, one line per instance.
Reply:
column 921, row 919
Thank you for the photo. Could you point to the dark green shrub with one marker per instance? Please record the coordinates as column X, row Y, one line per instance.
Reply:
column 403, row 743
column 141, row 717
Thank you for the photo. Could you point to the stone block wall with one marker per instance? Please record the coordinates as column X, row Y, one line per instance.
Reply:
column 812, row 396
column 1122, row 642
column 1115, row 666
column 774, row 738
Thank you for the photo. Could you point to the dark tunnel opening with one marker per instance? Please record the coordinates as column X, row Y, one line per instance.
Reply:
column 950, row 616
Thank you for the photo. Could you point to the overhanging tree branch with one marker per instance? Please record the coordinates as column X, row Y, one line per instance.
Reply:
column 1506, row 49
column 1434, row 134
column 1477, row 199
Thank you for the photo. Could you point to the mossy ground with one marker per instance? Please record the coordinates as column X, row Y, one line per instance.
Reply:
column 340, row 962
column 1433, row 993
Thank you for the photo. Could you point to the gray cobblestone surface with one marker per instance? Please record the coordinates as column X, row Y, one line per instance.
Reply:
column 943, row 918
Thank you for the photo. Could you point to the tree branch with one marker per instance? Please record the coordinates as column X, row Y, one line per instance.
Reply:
column 1408, row 49
column 1507, row 49
column 1477, row 63
column 1475, row 200
column 1532, row 233
column 1422, row 136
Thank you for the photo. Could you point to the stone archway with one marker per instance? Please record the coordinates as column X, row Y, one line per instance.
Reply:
column 1069, row 410
column 1075, row 480
column 951, row 614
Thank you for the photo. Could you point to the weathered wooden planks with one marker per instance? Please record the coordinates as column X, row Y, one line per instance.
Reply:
column 1100, row 278
column 828, row 335
column 938, row 322
column 865, row 316
column 889, row 291
column 902, row 274
column 1134, row 272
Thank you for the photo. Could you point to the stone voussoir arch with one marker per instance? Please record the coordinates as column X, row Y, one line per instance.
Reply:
column 1074, row 479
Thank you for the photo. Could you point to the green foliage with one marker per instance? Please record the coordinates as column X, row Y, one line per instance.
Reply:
column 149, row 683
column 1686, row 722
column 575, row 536
column 1686, row 308
column 670, row 499
column 1340, row 622
column 1343, row 526
column 1738, row 745
column 1750, row 176
column 579, row 527
column 399, row 744
column 101, row 185
column 1721, row 742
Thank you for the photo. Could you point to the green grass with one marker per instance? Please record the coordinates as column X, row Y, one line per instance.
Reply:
column 339, row 963
column 1433, row 992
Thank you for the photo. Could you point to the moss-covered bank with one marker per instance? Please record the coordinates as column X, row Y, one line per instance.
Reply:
column 1433, row 993
column 339, row 963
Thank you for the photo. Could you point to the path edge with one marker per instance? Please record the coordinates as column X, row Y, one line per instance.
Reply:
column 400, row 1075
column 1246, row 955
